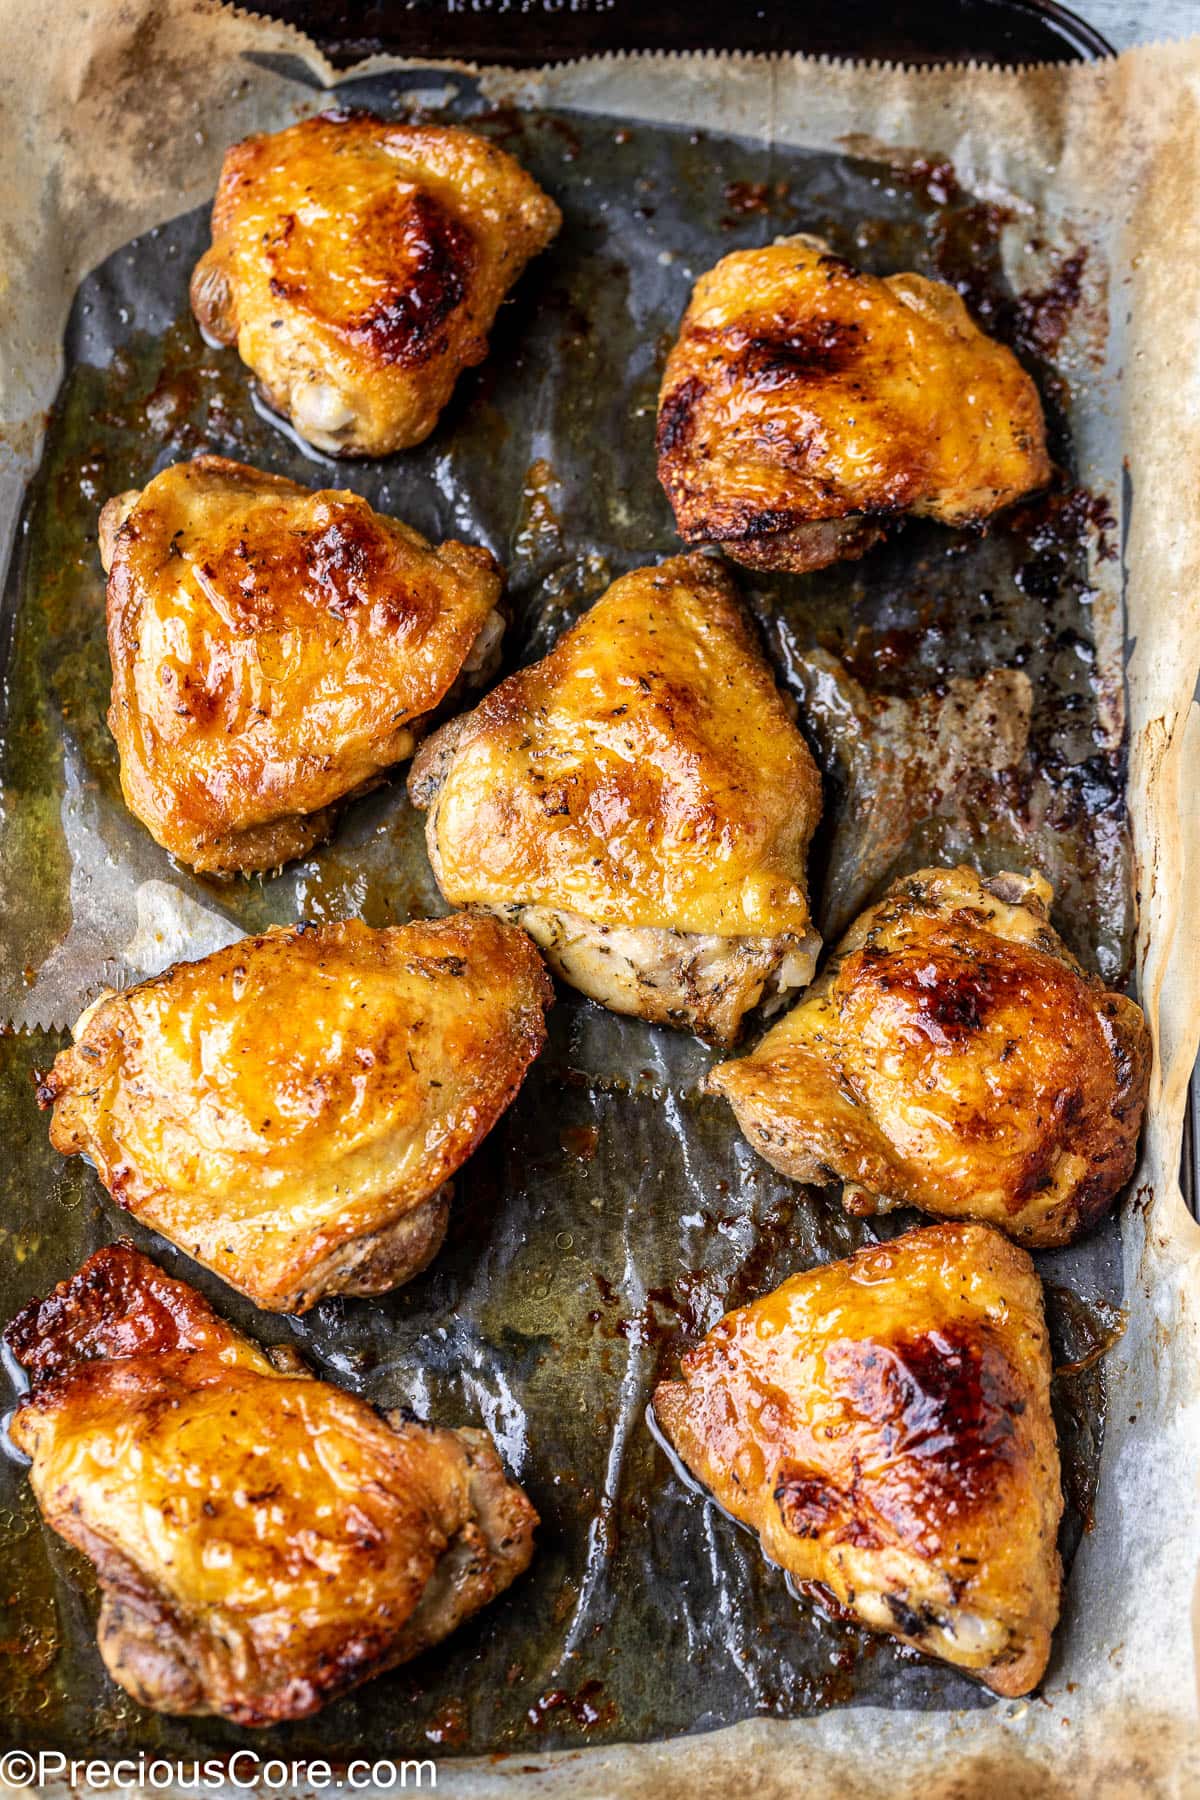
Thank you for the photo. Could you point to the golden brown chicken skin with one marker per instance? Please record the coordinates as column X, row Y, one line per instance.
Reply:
column 358, row 266
column 955, row 1057
column 274, row 650
column 263, row 1541
column 640, row 801
column 883, row 1424
column 290, row 1110
column 806, row 405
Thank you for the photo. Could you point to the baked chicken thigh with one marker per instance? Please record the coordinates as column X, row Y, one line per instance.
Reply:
column 883, row 1423
column 806, row 405
column 358, row 266
column 263, row 1541
column 290, row 1110
column 955, row 1057
column 641, row 802
column 273, row 651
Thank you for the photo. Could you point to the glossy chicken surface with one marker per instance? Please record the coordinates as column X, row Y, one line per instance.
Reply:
column 806, row 405
column 263, row 1540
column 954, row 1056
column 641, row 801
column 290, row 1110
column 358, row 266
column 274, row 650
column 883, row 1424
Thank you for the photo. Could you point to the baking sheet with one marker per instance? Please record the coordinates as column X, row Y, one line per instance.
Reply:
column 614, row 1213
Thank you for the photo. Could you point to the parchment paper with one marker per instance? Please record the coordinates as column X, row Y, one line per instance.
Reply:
column 117, row 122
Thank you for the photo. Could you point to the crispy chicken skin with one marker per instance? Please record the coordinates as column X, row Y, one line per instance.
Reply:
column 358, row 266
column 263, row 1541
column 273, row 651
column 290, row 1110
column 883, row 1423
column 955, row 1057
column 641, row 801
column 805, row 405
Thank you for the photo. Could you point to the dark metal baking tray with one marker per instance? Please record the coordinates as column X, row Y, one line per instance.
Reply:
column 531, row 32
column 553, row 1195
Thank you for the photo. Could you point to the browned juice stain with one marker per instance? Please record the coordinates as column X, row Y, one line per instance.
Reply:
column 585, row 1708
column 580, row 1141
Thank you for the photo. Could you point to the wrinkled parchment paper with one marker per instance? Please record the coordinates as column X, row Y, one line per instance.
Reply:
column 118, row 119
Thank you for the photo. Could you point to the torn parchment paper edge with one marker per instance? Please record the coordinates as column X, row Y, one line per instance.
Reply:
column 120, row 117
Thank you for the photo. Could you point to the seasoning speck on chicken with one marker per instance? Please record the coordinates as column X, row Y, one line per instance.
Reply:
column 806, row 405
column 641, row 802
column 263, row 1541
column 358, row 266
column 883, row 1423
